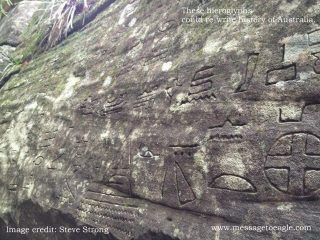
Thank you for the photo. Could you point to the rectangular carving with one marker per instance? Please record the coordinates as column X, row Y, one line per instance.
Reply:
column 314, row 37
column 252, row 60
column 283, row 73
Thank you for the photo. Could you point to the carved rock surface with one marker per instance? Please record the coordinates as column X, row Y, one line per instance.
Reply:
column 158, row 129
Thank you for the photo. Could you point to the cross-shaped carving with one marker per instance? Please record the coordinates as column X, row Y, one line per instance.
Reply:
column 297, row 163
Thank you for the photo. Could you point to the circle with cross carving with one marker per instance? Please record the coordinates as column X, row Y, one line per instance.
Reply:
column 293, row 164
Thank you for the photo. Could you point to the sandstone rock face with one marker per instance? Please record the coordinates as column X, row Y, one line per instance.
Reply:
column 158, row 129
column 16, row 22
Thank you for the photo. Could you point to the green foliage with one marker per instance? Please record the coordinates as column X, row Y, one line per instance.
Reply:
column 4, row 4
column 4, row 56
column 12, row 64
column 58, row 16
column 51, row 23
column 62, row 18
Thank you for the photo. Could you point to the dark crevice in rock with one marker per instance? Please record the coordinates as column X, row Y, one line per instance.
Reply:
column 80, row 23
column 8, row 43
column 31, row 215
column 10, row 223
column 6, row 78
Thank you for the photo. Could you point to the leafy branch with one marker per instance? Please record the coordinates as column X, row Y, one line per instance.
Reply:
column 12, row 66
column 63, row 17
column 4, row 4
